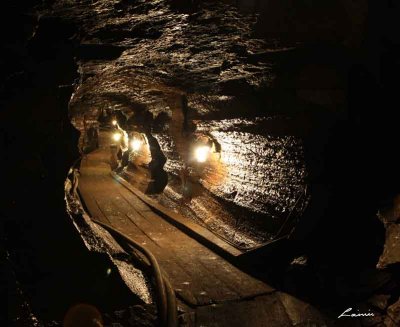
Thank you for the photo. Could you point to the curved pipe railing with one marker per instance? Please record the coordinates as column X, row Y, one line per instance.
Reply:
column 166, row 300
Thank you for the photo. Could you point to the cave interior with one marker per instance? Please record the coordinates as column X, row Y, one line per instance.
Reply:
column 272, row 126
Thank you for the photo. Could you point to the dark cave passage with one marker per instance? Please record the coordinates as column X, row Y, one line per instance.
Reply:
column 242, row 142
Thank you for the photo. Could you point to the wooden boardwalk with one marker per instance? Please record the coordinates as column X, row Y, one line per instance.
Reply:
column 212, row 291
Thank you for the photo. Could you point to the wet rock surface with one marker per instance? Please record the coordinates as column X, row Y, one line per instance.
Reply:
column 47, row 259
column 170, row 71
column 391, row 253
column 390, row 217
column 280, row 115
column 178, row 75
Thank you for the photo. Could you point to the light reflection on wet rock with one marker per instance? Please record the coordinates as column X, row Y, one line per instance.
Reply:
column 265, row 173
column 156, row 59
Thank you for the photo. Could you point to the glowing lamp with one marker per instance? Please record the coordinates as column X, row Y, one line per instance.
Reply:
column 136, row 144
column 114, row 122
column 201, row 153
column 117, row 137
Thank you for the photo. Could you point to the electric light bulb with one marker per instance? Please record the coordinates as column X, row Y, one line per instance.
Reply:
column 116, row 137
column 136, row 144
column 201, row 153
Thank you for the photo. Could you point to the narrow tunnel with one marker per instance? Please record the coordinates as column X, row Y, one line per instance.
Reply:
column 200, row 163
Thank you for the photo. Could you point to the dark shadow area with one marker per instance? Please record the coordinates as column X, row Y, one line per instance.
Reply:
column 99, row 51
column 41, row 249
column 353, row 173
column 158, row 175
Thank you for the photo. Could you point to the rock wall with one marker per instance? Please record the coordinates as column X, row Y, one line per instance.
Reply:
column 283, row 96
column 42, row 254
column 280, row 107
column 182, row 75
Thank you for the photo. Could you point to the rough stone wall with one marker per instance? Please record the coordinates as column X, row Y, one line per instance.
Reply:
column 181, row 72
column 45, row 265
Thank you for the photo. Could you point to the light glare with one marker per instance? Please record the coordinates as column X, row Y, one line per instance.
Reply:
column 136, row 144
column 201, row 153
column 114, row 122
column 116, row 137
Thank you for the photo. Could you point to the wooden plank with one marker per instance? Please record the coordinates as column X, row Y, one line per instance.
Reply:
column 205, row 266
column 259, row 312
column 302, row 313
column 181, row 281
column 187, row 225
column 179, row 249
column 232, row 282
column 198, row 275
column 91, row 204
column 232, row 277
column 132, row 199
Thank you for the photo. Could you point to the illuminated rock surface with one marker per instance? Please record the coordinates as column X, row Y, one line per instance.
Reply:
column 175, row 72
column 210, row 60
